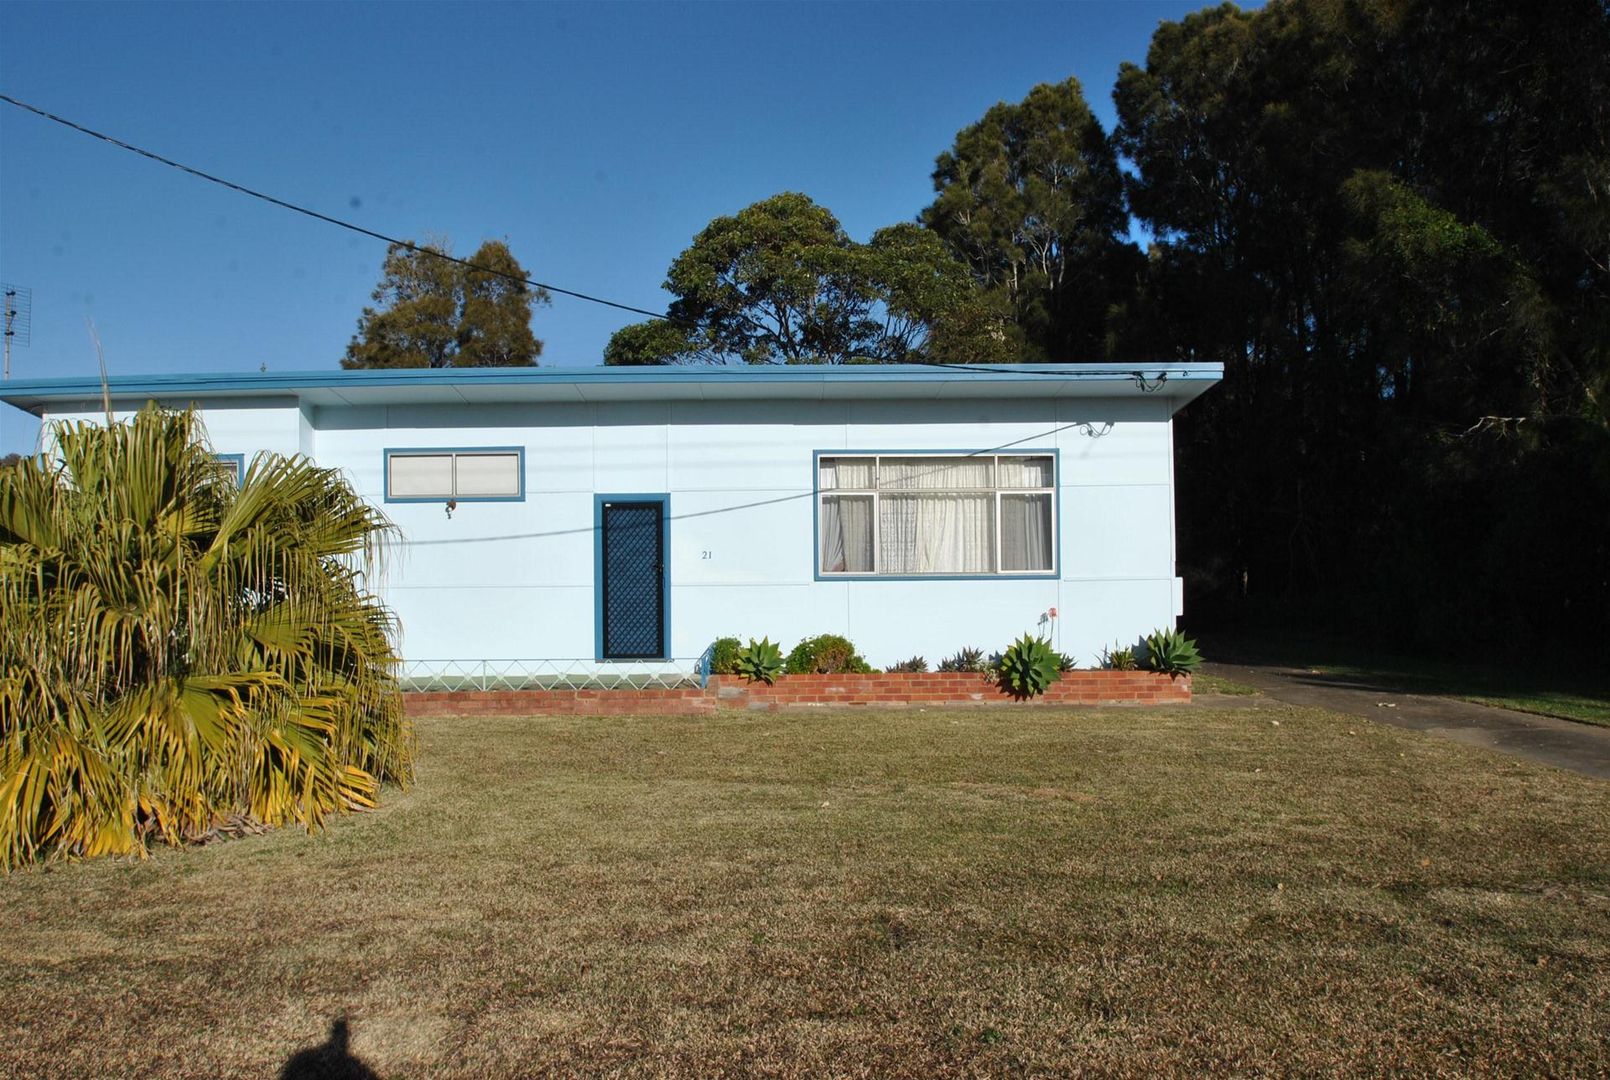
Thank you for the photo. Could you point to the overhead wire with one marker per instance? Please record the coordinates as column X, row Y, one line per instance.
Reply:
column 1146, row 385
column 316, row 215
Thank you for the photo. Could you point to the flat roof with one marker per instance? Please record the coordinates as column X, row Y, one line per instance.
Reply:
column 1176, row 382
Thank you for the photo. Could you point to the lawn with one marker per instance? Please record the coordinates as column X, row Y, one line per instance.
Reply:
column 1188, row 890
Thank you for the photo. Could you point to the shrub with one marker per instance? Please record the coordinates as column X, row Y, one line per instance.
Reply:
column 760, row 661
column 1119, row 659
column 180, row 652
column 724, row 656
column 1028, row 667
column 964, row 660
column 1171, row 653
column 825, row 654
column 909, row 667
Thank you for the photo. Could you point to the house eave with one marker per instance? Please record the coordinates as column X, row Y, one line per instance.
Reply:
column 1176, row 383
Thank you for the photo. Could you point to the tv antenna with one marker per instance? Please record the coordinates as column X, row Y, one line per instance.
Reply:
column 19, row 316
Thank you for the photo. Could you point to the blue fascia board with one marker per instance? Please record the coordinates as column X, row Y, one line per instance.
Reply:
column 19, row 391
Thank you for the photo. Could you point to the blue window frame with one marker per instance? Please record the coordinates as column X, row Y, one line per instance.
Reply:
column 883, row 515
column 460, row 473
column 236, row 462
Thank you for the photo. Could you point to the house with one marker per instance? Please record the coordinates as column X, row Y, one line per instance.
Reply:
column 605, row 516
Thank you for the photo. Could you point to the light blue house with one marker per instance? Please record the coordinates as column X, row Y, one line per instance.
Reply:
column 595, row 517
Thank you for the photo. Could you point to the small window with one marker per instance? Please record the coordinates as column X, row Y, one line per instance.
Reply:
column 236, row 464
column 936, row 515
column 495, row 473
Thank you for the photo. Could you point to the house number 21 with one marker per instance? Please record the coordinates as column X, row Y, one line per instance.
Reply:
column 704, row 554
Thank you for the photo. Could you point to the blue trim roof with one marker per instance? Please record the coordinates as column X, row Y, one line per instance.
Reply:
column 332, row 386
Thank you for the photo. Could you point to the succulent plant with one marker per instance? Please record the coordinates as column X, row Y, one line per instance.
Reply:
column 1119, row 658
column 1171, row 652
column 760, row 661
column 1028, row 667
column 964, row 660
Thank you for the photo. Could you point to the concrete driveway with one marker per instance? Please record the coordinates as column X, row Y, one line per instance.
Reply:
column 1565, row 744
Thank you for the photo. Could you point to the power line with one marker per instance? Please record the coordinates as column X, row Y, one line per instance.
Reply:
column 409, row 244
column 1146, row 385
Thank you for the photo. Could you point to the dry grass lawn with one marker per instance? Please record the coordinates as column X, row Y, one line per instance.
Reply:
column 1008, row 892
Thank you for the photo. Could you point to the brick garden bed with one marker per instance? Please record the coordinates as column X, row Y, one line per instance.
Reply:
column 807, row 691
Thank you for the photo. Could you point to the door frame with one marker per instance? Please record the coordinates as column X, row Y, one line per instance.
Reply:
column 664, row 499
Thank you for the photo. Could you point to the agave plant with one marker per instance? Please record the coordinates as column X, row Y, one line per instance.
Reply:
column 1028, row 667
column 179, row 652
column 1119, row 658
column 760, row 661
column 966, row 659
column 1171, row 652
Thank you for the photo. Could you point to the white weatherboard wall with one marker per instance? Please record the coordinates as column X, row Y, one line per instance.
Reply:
column 515, row 580
column 234, row 426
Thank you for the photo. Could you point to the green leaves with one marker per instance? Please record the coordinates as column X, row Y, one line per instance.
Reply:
column 760, row 661
column 1030, row 198
column 177, row 651
column 825, row 654
column 1171, row 653
column 435, row 313
column 781, row 283
column 1028, row 667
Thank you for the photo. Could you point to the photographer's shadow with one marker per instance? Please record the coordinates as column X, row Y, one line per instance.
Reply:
column 330, row 1060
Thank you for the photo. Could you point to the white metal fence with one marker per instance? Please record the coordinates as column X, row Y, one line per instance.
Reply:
column 555, row 674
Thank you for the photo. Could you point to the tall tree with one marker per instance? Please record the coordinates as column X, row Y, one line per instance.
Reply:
column 436, row 313
column 781, row 283
column 1388, row 221
column 1031, row 199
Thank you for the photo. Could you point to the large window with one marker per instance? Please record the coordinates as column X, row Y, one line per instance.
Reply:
column 932, row 514
column 482, row 473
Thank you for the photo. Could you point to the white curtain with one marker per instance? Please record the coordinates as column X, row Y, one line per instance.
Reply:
column 852, row 473
column 1025, row 532
column 1025, row 472
column 936, row 534
column 919, row 474
column 846, row 534
column 936, row 515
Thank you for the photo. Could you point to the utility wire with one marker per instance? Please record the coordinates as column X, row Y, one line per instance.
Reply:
column 409, row 244
column 1146, row 385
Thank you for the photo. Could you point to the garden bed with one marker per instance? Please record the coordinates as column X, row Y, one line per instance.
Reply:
column 890, row 690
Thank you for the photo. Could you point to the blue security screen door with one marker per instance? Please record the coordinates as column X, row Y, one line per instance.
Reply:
column 632, row 579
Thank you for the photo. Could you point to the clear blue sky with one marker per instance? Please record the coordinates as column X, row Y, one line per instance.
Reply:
column 596, row 139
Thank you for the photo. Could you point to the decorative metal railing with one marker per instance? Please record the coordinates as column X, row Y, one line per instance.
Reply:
column 555, row 674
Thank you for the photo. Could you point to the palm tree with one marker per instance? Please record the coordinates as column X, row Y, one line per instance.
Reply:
column 180, row 652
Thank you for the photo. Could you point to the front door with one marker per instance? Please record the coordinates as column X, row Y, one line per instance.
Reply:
column 632, row 577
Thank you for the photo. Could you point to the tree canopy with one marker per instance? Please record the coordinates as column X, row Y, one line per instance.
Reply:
column 781, row 283
column 1391, row 222
column 1031, row 199
column 435, row 313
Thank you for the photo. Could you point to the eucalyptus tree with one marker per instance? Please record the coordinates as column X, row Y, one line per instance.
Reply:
column 1389, row 222
column 432, row 312
column 1031, row 199
column 780, row 282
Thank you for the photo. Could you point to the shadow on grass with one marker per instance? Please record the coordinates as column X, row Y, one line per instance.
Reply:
column 1541, row 684
column 330, row 1060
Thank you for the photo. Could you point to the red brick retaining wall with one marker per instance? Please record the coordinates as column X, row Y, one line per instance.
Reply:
column 803, row 691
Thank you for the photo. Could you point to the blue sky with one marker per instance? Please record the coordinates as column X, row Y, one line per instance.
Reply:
column 597, row 140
